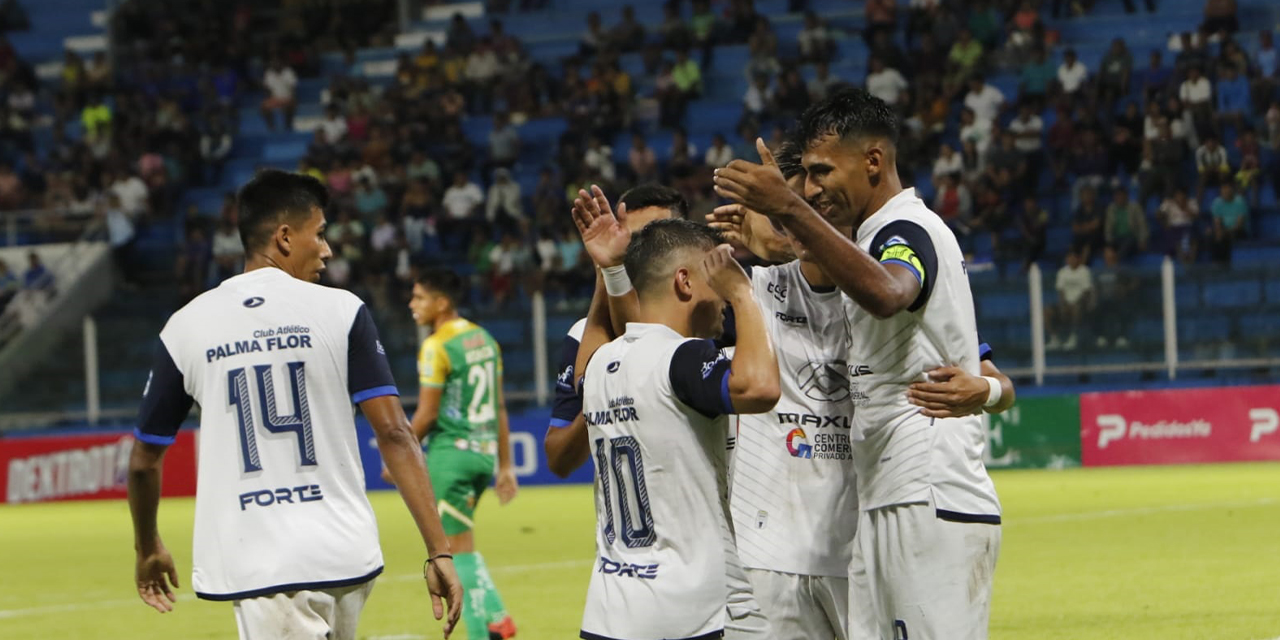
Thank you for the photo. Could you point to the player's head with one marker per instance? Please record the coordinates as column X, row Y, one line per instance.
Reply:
column 652, row 201
column 849, row 149
column 664, row 261
column 436, row 293
column 282, row 221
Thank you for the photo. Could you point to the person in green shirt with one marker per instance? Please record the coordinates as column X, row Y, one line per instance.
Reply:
column 1126, row 226
column 462, row 418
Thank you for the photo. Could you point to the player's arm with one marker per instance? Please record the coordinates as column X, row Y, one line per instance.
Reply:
column 596, row 333
column 953, row 392
column 883, row 289
column 165, row 404
column 428, row 411
column 750, row 381
column 605, row 236
column 566, row 444
column 505, row 484
column 433, row 371
column 753, row 231
column 373, row 388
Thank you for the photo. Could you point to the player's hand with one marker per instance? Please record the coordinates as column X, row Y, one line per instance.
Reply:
column 506, row 485
column 446, row 591
column 604, row 234
column 751, row 230
column 156, row 578
column 724, row 275
column 952, row 393
column 386, row 476
column 759, row 187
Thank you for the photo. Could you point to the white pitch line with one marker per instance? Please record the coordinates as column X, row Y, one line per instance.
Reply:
column 407, row 577
column 1113, row 513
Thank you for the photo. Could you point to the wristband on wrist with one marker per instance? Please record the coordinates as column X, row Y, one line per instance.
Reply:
column 433, row 559
column 616, row 281
column 993, row 396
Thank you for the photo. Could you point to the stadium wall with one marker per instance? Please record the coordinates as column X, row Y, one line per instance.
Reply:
column 1179, row 426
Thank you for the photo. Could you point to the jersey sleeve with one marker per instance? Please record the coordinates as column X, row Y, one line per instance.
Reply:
column 908, row 245
column 368, row 373
column 985, row 352
column 165, row 402
column 700, row 377
column 433, row 363
column 568, row 401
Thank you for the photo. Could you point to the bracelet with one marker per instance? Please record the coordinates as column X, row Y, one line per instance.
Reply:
column 616, row 281
column 433, row 559
column 993, row 396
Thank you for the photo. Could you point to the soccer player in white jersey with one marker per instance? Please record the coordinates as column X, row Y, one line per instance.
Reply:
column 283, row 527
column 656, row 401
column 566, row 442
column 928, row 534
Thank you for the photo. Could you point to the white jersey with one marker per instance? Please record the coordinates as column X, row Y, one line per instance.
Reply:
column 793, row 474
column 275, row 364
column 656, row 408
column 905, row 457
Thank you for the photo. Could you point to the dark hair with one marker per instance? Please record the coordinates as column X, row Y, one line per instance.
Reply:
column 648, row 255
column 788, row 158
column 272, row 197
column 443, row 282
column 652, row 194
column 848, row 113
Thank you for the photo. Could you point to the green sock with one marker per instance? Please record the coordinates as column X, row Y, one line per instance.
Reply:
column 492, row 601
column 470, row 567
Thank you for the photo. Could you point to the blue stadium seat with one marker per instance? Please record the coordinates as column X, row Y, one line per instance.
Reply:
column 1228, row 295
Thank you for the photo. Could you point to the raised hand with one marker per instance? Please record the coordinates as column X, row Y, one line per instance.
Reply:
column 724, row 275
column 446, row 589
column 759, row 187
column 604, row 233
column 751, row 230
column 154, row 574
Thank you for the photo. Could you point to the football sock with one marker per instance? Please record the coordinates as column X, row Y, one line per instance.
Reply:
column 492, row 601
column 469, row 566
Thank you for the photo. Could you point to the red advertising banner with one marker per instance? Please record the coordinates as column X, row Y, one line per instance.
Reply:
column 86, row 467
column 1181, row 426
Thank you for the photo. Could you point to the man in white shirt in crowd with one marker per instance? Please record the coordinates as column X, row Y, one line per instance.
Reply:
column 461, row 202
column 1075, row 296
column 334, row 125
column 885, row 83
column 281, row 84
column 984, row 100
column 132, row 192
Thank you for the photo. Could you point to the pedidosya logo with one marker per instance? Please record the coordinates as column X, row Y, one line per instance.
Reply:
column 798, row 444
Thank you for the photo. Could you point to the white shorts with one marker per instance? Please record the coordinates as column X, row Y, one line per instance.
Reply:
column 917, row 577
column 328, row 614
column 743, row 618
column 803, row 607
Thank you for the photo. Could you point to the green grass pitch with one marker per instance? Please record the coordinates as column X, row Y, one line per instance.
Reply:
column 1134, row 553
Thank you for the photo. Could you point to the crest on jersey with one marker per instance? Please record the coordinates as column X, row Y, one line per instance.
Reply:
column 824, row 381
column 254, row 302
column 613, row 367
column 798, row 444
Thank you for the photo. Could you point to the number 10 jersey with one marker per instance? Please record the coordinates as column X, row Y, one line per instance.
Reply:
column 275, row 364
column 655, row 404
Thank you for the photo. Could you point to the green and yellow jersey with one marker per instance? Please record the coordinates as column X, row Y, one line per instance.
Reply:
column 464, row 360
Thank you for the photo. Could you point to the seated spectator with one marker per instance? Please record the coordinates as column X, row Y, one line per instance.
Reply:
column 599, row 159
column 686, row 78
column 953, row 203
column 462, row 201
column 334, row 126
column 1267, row 73
column 370, row 199
column 593, row 38
column 1060, row 140
column 976, row 132
column 885, row 83
column 1090, row 162
column 1072, row 74
column 1027, row 130
column 984, row 100
column 504, row 143
column 703, row 27
column 814, row 40
column 791, row 97
column 1156, row 79
column 508, row 258
column 641, row 159
column 822, row 82
column 1220, row 15
column 227, row 250
column 1037, row 77
column 282, row 85
column 1033, row 226
column 964, row 58
column 348, row 233
column 949, row 163
column 120, row 236
column 133, row 193
column 1196, row 94
column 1178, row 215
column 676, row 34
column 215, row 147
column 37, row 277
column 628, row 34
column 1231, row 211
column 1113, row 74
column 758, row 101
column 763, row 49
column 1005, row 156
column 1233, row 98
column 1087, row 225
column 1249, row 176
column 504, row 207
column 1074, row 284
column 1115, row 287
column 1211, row 166
column 719, row 153
column 1126, row 225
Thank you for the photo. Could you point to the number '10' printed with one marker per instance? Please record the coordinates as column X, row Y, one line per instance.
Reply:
column 627, row 470
column 298, row 423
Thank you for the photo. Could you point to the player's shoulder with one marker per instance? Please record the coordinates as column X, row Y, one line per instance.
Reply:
column 578, row 328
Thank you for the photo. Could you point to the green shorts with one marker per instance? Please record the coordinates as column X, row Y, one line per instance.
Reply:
column 458, row 479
